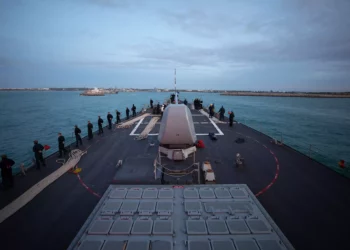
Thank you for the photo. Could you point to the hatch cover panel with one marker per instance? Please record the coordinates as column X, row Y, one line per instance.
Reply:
column 237, row 227
column 118, row 193
column 206, row 193
column 162, row 245
column 246, row 245
column 217, row 227
column 121, row 226
column 198, row 245
column 91, row 245
column 142, row 227
column 181, row 217
column 222, row 193
column 269, row 245
column 222, row 245
column 163, row 227
column 100, row 227
column 113, row 245
column 150, row 193
column 138, row 245
column 191, row 193
column 196, row 227
column 166, row 193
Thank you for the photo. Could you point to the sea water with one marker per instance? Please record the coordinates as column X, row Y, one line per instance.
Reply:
column 318, row 127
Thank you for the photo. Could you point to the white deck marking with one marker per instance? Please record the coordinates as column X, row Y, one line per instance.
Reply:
column 200, row 134
column 137, row 125
column 217, row 128
column 196, row 134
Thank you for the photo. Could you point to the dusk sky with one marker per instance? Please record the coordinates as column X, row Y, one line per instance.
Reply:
column 224, row 44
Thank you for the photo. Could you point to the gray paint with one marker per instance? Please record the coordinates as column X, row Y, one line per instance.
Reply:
column 180, row 222
column 177, row 126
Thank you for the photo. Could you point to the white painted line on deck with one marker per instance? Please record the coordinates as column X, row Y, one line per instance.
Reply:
column 217, row 128
column 196, row 134
column 204, row 122
column 137, row 125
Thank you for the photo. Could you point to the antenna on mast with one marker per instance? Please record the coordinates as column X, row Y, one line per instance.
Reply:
column 176, row 101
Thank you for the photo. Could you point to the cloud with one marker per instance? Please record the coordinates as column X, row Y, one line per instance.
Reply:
column 304, row 38
column 110, row 3
column 303, row 31
column 197, row 22
column 114, row 4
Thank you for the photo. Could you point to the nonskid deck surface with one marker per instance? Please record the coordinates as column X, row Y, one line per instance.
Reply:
column 308, row 201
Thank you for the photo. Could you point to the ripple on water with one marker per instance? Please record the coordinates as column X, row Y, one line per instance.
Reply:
column 302, row 121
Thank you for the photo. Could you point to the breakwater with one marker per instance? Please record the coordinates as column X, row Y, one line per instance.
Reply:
column 288, row 94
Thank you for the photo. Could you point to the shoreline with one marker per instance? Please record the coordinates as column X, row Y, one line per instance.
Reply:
column 302, row 95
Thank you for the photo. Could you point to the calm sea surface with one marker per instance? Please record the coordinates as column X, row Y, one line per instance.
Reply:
column 322, row 123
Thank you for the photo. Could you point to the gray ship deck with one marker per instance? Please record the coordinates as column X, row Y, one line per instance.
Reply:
column 308, row 201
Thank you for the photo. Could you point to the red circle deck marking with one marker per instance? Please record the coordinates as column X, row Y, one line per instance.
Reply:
column 277, row 168
column 87, row 188
column 276, row 174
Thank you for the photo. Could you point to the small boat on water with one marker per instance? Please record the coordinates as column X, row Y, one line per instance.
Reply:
column 93, row 92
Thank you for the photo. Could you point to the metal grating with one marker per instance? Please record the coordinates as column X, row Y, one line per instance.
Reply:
column 222, row 193
column 206, row 193
column 91, row 245
column 258, row 226
column 163, row 227
column 191, row 193
column 196, row 227
column 150, row 193
column 192, row 206
column 138, row 245
column 246, row 245
column 222, row 245
column 165, row 193
column 269, row 245
column 237, row 227
column 121, row 226
column 238, row 193
column 129, row 207
column 142, row 227
column 147, row 206
column 162, row 245
column 118, row 193
column 134, row 193
column 114, row 245
column 217, row 227
column 100, row 227
column 198, row 245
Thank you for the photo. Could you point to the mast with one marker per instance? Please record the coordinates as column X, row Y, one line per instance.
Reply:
column 176, row 101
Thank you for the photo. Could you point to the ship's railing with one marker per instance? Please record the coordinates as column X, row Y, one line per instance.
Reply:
column 313, row 151
column 29, row 162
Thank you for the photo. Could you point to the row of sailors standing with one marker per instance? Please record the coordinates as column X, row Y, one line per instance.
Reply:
column 100, row 123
